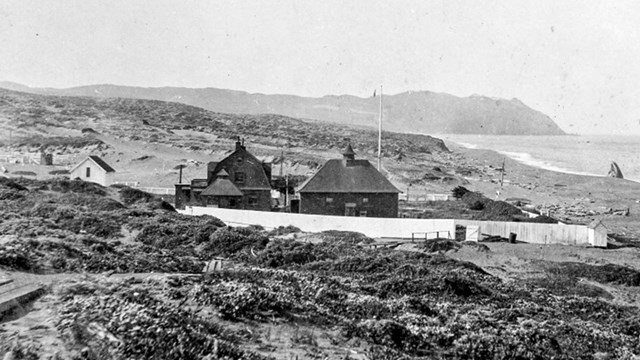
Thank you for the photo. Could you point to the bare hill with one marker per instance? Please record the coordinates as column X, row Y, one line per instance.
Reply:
column 413, row 112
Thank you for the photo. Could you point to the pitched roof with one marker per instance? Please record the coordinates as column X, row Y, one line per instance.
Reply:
column 98, row 161
column 353, row 176
column 101, row 163
column 222, row 187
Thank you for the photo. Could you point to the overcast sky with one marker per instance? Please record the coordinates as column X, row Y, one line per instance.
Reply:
column 576, row 61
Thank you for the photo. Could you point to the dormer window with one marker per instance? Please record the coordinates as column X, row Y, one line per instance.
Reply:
column 239, row 160
column 239, row 177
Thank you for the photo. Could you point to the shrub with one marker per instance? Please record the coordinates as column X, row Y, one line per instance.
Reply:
column 227, row 241
column 76, row 186
column 437, row 245
column 11, row 184
column 459, row 191
column 130, row 195
column 284, row 230
column 476, row 205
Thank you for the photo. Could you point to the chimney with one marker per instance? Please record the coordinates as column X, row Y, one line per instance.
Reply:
column 238, row 144
column 349, row 155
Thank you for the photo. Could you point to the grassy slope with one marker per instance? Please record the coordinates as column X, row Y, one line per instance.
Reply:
column 171, row 133
column 282, row 298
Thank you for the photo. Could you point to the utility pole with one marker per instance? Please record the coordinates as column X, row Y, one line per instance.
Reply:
column 380, row 133
column 286, row 193
column 502, row 173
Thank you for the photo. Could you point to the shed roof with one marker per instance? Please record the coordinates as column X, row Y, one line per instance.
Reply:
column 98, row 161
column 350, row 176
column 597, row 223
column 222, row 186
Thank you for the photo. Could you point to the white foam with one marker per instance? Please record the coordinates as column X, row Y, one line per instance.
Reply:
column 527, row 159
column 467, row 145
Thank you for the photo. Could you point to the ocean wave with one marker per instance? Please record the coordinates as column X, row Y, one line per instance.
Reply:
column 528, row 159
column 467, row 145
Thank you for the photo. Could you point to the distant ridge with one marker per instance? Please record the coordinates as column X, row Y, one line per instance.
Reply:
column 414, row 111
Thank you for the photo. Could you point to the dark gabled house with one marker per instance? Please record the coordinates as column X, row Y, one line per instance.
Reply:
column 239, row 181
column 349, row 187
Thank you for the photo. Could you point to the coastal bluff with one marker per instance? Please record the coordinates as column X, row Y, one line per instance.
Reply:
column 413, row 111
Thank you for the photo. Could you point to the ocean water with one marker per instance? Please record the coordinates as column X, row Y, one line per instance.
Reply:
column 586, row 155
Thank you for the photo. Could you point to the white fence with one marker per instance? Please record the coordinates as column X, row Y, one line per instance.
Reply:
column 540, row 233
column 150, row 190
column 372, row 227
column 425, row 197
column 20, row 159
column 408, row 228
column 158, row 191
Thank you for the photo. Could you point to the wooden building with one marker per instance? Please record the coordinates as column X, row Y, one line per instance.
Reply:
column 239, row 181
column 93, row 169
column 349, row 187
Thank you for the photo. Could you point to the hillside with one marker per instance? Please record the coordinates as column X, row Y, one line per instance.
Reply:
column 142, row 136
column 410, row 112
column 124, row 282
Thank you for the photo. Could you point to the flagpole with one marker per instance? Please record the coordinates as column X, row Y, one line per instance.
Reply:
column 380, row 133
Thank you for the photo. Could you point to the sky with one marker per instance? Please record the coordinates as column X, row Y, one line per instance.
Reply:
column 576, row 61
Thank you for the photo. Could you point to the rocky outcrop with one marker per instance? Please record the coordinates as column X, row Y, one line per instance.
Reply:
column 615, row 171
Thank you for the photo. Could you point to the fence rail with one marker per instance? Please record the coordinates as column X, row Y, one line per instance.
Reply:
column 414, row 235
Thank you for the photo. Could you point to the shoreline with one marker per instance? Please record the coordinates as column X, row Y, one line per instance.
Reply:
column 529, row 160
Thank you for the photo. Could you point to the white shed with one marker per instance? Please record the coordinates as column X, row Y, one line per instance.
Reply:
column 597, row 233
column 93, row 169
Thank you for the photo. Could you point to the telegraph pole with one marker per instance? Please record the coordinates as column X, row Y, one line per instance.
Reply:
column 380, row 133
column 502, row 173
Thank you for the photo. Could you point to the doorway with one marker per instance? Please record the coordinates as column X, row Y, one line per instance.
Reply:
column 350, row 209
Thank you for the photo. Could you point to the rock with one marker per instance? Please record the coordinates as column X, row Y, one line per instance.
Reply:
column 615, row 171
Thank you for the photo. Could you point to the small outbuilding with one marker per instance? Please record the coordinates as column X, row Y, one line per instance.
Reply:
column 348, row 187
column 597, row 233
column 93, row 169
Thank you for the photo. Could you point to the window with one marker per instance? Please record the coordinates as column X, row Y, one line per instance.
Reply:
column 232, row 203
column 239, row 160
column 240, row 177
column 363, row 213
column 365, row 200
column 88, row 172
column 329, row 200
column 253, row 200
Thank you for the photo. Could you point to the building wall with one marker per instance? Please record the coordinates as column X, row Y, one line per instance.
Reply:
column 378, row 205
column 262, row 201
column 97, row 174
